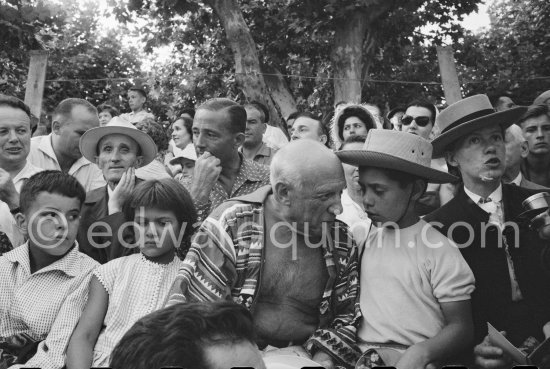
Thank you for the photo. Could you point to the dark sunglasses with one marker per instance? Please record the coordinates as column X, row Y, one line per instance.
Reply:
column 421, row 121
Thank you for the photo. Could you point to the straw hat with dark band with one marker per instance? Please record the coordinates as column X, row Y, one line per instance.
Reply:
column 469, row 115
column 90, row 139
column 399, row 151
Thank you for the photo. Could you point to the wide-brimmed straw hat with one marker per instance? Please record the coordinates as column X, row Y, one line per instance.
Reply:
column 90, row 139
column 399, row 151
column 188, row 153
column 542, row 98
column 469, row 115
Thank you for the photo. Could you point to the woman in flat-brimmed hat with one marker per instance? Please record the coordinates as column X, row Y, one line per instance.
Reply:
column 513, row 288
column 118, row 148
column 415, row 285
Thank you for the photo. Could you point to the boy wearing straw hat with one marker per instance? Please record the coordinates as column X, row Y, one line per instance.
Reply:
column 415, row 285
column 513, row 289
column 118, row 148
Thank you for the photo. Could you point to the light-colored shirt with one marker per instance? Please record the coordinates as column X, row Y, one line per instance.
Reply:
column 405, row 275
column 46, row 304
column 355, row 217
column 153, row 170
column 136, row 287
column 137, row 117
column 274, row 137
column 24, row 174
column 517, row 180
column 42, row 156
column 8, row 225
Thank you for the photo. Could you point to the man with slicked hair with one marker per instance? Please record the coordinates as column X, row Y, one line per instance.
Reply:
column 60, row 151
column 281, row 253
column 221, row 172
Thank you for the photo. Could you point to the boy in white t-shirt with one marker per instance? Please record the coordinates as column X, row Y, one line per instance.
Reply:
column 415, row 284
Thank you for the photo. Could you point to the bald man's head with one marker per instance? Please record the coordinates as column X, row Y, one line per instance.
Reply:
column 307, row 180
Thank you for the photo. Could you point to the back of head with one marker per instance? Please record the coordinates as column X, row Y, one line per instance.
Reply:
column 65, row 108
column 301, row 161
column 14, row 102
column 155, row 131
column 535, row 111
column 235, row 112
column 50, row 181
column 178, row 335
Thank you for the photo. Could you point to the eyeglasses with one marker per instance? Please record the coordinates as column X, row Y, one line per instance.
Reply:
column 421, row 121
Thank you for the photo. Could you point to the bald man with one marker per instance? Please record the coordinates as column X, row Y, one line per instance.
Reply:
column 288, row 234
column 516, row 150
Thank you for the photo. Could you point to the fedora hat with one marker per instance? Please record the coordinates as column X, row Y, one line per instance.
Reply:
column 469, row 115
column 396, row 150
column 120, row 126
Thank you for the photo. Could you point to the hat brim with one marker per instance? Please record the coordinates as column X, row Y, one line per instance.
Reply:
column 531, row 213
column 504, row 118
column 91, row 138
column 179, row 159
column 364, row 158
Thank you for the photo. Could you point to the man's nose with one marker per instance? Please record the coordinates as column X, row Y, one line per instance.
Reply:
column 12, row 136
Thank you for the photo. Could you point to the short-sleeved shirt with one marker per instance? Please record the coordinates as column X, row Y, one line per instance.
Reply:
column 137, row 117
column 42, row 156
column 405, row 275
column 136, row 287
column 46, row 304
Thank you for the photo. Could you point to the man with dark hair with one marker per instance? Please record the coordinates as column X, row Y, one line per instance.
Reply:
column 535, row 125
column 15, row 169
column 221, row 172
column 273, row 136
column 419, row 118
column 281, row 253
column 307, row 125
column 60, row 151
column 502, row 101
column 136, row 99
column 290, row 122
column 211, row 335
column 254, row 148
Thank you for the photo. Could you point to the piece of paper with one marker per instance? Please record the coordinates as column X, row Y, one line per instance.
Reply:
column 499, row 340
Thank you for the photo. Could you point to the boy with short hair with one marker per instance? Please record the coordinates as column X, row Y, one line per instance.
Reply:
column 415, row 285
column 44, row 282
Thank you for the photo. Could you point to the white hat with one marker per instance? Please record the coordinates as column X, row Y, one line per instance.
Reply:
column 188, row 153
column 118, row 125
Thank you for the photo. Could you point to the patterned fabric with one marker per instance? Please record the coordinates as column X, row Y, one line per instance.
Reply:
column 5, row 244
column 264, row 154
column 45, row 304
column 370, row 359
column 225, row 261
column 136, row 287
column 251, row 176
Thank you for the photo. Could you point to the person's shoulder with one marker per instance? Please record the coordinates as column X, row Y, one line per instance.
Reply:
column 87, row 263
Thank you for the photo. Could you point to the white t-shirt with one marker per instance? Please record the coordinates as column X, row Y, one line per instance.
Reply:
column 403, row 281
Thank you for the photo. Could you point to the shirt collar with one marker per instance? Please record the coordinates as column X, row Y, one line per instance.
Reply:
column 264, row 150
column 25, row 173
column 496, row 196
column 47, row 148
column 68, row 264
column 250, row 170
column 517, row 180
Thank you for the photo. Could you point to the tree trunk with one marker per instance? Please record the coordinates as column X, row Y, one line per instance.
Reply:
column 347, row 56
column 247, row 64
column 279, row 91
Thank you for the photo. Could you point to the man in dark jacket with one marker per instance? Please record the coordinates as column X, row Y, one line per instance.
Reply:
column 484, row 220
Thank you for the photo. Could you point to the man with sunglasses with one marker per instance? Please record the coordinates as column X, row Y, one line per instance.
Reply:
column 419, row 118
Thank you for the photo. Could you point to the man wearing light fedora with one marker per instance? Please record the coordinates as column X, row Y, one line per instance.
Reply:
column 118, row 148
column 484, row 220
column 415, row 285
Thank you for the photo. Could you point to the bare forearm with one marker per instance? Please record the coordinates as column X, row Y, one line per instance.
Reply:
column 453, row 338
column 80, row 351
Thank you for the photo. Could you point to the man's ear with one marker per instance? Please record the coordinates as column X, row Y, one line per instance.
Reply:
column 265, row 127
column 56, row 127
column 524, row 147
column 138, row 161
column 450, row 159
column 239, row 139
column 282, row 193
column 22, row 224
column 323, row 139
column 419, row 188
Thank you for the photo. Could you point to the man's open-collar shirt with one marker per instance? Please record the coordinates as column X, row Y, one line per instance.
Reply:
column 250, row 177
column 42, row 156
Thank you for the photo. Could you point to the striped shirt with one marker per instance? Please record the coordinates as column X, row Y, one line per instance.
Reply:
column 226, row 258
column 46, row 304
